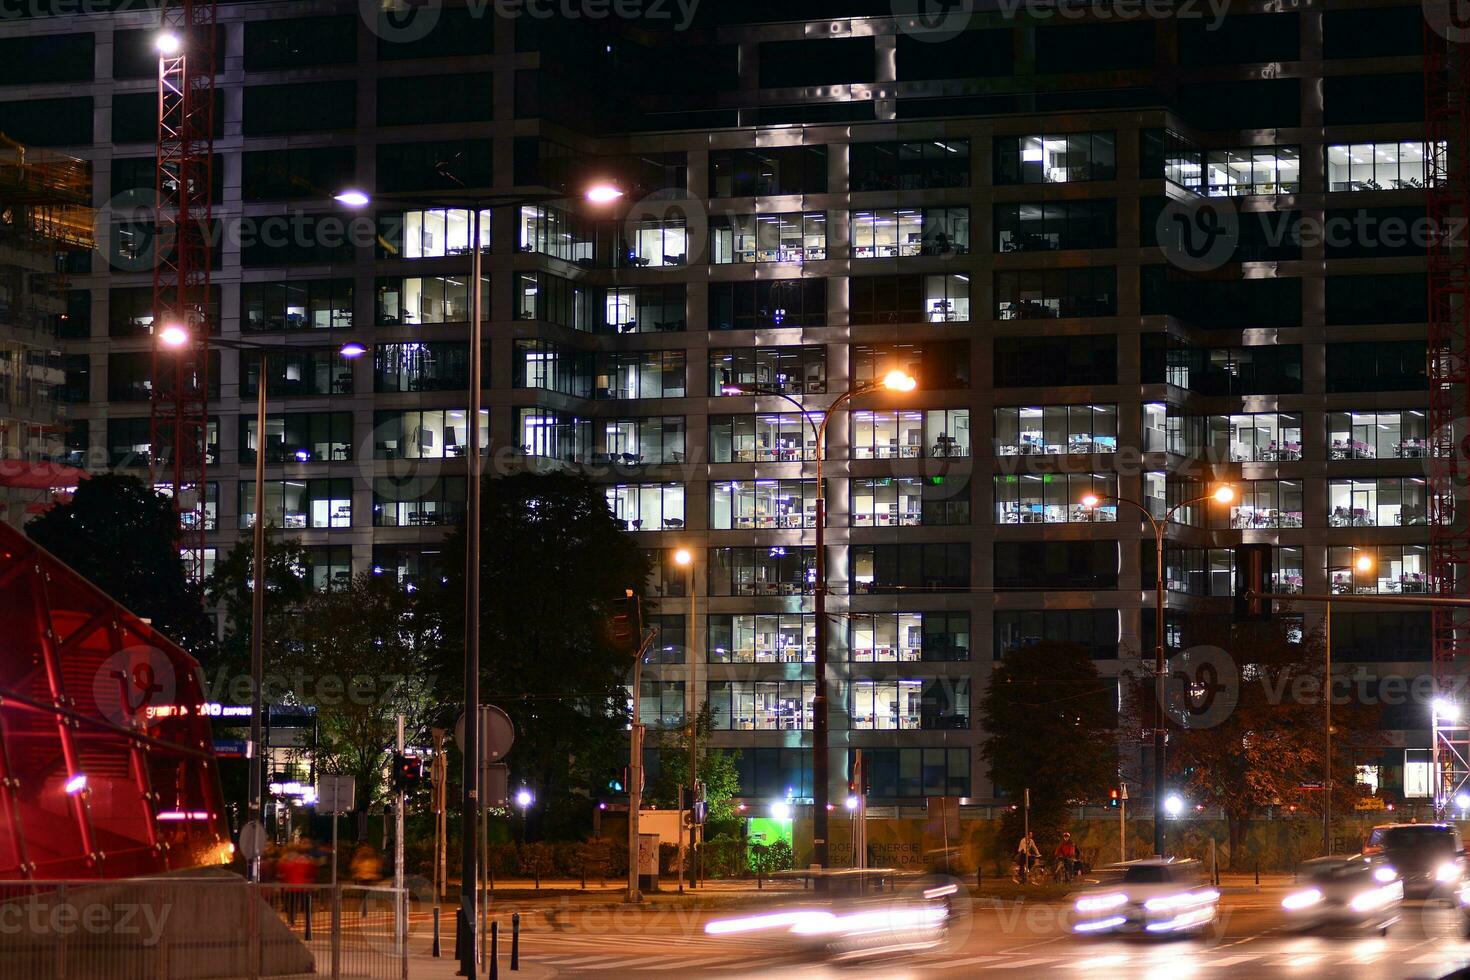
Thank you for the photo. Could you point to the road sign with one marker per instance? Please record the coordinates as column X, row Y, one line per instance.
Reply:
column 335, row 794
column 495, row 784
column 497, row 733
column 252, row 840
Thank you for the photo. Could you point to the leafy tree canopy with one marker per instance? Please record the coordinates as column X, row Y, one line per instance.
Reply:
column 122, row 536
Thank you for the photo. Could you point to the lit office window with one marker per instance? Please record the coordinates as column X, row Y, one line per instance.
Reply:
column 299, row 504
column 883, row 637
column 413, row 300
column 1378, row 166
column 428, row 503
column 441, row 231
column 1378, row 435
column 887, row 435
column 1392, row 569
column 1055, row 159
column 777, row 437
column 428, row 434
column 910, row 704
column 761, row 706
column 307, row 437
column 1233, row 171
column 1055, row 498
column 791, row 237
column 792, row 370
column 1263, row 504
column 763, row 505
column 554, row 232
column 647, row 506
column 1053, row 430
column 553, row 435
column 659, row 243
column 637, row 441
column 891, row 233
column 762, row 638
column 1383, row 502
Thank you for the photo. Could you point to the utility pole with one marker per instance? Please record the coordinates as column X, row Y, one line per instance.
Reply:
column 1123, row 822
column 400, row 905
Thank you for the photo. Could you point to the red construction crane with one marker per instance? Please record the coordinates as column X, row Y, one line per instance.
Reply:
column 1447, row 202
column 182, row 243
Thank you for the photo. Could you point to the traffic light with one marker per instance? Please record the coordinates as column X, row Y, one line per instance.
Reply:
column 625, row 626
column 617, row 782
column 1253, row 573
column 408, row 772
column 1114, row 798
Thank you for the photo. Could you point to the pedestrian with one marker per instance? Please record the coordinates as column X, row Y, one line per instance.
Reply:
column 297, row 871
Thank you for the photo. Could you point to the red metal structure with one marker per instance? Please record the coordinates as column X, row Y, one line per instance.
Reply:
column 182, row 245
column 107, row 766
column 1447, row 200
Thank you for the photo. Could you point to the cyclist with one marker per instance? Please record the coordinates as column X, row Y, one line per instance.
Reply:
column 1027, row 854
column 1065, row 856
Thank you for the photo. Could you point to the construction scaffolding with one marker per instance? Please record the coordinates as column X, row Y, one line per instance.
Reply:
column 45, row 213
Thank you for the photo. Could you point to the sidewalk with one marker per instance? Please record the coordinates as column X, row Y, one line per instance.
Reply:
column 423, row 966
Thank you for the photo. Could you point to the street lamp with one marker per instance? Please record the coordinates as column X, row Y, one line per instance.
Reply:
column 684, row 558
column 175, row 336
column 897, row 381
column 1446, row 709
column 167, row 44
column 1364, row 563
column 523, row 800
column 357, row 198
column 1223, row 494
column 1173, row 805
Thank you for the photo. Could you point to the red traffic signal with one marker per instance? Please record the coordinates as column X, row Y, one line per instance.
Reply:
column 408, row 772
column 625, row 626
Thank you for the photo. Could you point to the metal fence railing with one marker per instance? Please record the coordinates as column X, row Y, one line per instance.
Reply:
column 195, row 928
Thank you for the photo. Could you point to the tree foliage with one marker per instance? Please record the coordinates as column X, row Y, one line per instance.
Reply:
column 229, row 586
column 122, row 536
column 1265, row 745
column 716, row 769
column 553, row 561
column 1052, row 729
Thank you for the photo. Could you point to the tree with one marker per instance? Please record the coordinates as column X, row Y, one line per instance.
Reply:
column 716, row 769
column 535, row 860
column 366, row 658
column 1262, row 745
column 553, row 561
column 1052, row 726
column 286, row 588
column 123, row 537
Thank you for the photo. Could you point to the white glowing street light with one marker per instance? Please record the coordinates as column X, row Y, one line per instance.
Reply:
column 1445, row 709
column 603, row 193
column 781, row 810
column 173, row 335
column 1173, row 805
column 167, row 43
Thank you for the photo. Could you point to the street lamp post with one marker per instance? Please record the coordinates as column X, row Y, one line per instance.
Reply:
column 1224, row 495
column 176, row 337
column 685, row 559
column 894, row 381
column 469, row 798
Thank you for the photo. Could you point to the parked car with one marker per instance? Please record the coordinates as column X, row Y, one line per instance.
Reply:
column 1157, row 896
column 1348, row 892
column 1428, row 856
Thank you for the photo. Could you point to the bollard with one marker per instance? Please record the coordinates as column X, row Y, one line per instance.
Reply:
column 515, row 941
column 495, row 950
column 308, row 916
column 436, row 932
column 979, row 877
column 1258, row 871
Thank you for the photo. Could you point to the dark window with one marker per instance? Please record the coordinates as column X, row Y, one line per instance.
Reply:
column 1348, row 100
column 909, row 165
column 1382, row 636
column 305, row 437
column 46, row 58
column 1040, row 294
column 442, row 165
column 921, row 568
column 1377, row 299
column 291, row 173
column 301, row 372
column 1398, row 365
column 435, row 99
column 1242, row 105
column 296, row 239
column 1026, row 362
column 1046, row 226
column 938, row 365
column 300, row 107
column 1372, row 33
column 910, row 773
column 840, row 61
column 768, row 170
column 1352, row 233
column 421, row 367
column 135, row 114
column 1239, row 39
column 54, row 122
column 1230, row 303
column 1086, row 565
column 1094, row 47
column 457, row 32
column 972, row 54
column 793, row 370
column 764, row 571
column 316, row 304
column 1095, row 629
column 135, row 56
column 77, row 388
column 768, row 303
column 140, row 175
column 297, row 43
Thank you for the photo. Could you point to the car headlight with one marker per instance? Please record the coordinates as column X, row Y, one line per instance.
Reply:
column 1377, row 898
column 1184, row 900
column 1449, row 871
column 1092, row 904
column 1384, row 874
column 1301, row 900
